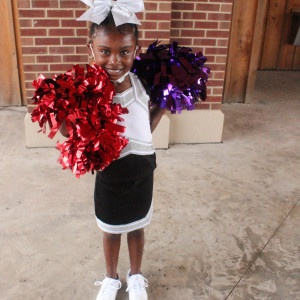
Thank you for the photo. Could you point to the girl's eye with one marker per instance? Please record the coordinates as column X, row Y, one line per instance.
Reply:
column 125, row 52
column 102, row 51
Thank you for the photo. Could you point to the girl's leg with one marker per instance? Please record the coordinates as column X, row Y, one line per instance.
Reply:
column 136, row 241
column 111, row 245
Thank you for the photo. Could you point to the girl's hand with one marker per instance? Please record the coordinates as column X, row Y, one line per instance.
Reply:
column 63, row 129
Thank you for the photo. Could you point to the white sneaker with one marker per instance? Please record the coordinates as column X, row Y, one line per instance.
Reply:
column 109, row 288
column 137, row 284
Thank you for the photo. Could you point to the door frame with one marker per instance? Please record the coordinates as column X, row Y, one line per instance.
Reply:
column 257, row 46
column 19, row 51
column 255, row 50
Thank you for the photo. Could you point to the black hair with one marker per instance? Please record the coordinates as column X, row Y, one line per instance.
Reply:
column 109, row 25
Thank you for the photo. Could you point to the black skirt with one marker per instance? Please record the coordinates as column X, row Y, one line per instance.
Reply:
column 123, row 194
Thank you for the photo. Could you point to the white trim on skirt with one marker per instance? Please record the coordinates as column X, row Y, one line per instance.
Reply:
column 124, row 228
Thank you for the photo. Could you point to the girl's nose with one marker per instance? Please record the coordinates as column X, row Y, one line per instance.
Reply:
column 114, row 59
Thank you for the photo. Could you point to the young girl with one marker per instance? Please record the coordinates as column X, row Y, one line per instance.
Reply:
column 123, row 191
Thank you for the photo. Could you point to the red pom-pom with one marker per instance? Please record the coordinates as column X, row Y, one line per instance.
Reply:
column 84, row 103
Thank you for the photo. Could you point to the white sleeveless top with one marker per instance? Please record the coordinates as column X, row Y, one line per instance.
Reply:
column 137, row 123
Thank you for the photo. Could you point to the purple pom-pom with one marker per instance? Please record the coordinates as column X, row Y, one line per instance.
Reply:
column 176, row 76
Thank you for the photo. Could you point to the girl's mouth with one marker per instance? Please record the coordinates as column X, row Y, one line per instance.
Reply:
column 114, row 72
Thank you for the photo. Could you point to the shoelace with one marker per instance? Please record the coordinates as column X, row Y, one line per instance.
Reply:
column 138, row 282
column 109, row 286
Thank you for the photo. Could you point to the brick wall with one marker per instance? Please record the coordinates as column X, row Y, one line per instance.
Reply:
column 52, row 40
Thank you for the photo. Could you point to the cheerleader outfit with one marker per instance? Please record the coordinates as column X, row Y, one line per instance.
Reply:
column 123, row 190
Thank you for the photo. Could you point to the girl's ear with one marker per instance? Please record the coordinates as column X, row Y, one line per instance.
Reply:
column 138, row 50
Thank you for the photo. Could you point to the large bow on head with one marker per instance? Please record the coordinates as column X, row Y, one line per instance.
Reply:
column 123, row 11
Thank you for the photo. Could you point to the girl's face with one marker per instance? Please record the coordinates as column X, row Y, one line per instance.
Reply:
column 114, row 52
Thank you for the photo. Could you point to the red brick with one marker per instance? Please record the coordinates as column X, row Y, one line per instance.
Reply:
column 82, row 32
column 223, row 43
column 174, row 33
column 34, row 50
column 194, row 15
column 192, row 33
column 205, row 42
column 31, row 13
column 46, row 23
column 206, row 25
column 60, row 13
column 150, row 6
column 47, row 41
column 208, row 7
column 74, row 41
column 183, row 41
column 202, row 106
column 182, row 6
column 218, row 91
column 181, row 24
column 226, row 7
column 215, row 82
column 216, row 51
column 60, row 67
column 50, row 75
column 78, row 13
column 221, row 59
column 210, row 58
column 27, row 41
column 226, row 1
column 217, row 33
column 149, row 25
column 219, row 75
column 35, row 68
column 73, row 23
column 176, row 15
column 214, row 98
column 224, row 25
column 157, row 34
column 33, row 32
column 61, row 32
column 140, row 16
column 30, row 76
column 75, row 58
column 158, row 16
column 71, row 4
column 164, row 7
column 44, row 3
column 25, row 23
column 61, row 50
column 164, row 25
column 28, row 59
column 219, row 17
column 48, row 59
column 29, row 95
column 23, row 3
column 28, row 85
column 82, row 50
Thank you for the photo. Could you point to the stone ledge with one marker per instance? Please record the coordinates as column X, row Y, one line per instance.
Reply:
column 198, row 126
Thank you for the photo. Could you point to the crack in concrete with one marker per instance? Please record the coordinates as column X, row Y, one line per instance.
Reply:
column 260, row 252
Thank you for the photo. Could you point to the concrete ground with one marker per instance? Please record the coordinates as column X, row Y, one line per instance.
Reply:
column 226, row 223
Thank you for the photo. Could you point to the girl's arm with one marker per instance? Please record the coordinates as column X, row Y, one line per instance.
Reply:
column 155, row 114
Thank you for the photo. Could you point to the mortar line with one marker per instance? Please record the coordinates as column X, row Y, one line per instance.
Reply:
column 258, row 254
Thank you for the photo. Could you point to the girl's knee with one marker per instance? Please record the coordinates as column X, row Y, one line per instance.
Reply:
column 112, row 236
column 136, row 233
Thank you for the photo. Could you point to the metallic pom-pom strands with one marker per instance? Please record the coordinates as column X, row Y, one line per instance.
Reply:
column 84, row 102
column 176, row 76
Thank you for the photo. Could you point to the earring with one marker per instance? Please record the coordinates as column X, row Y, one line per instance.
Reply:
column 92, row 52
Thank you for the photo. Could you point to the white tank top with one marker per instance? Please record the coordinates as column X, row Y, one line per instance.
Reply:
column 137, row 123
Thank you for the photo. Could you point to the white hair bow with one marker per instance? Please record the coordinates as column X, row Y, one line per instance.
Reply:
column 123, row 11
